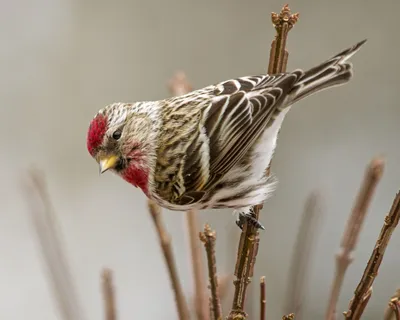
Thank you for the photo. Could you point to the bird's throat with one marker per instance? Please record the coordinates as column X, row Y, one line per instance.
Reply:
column 137, row 176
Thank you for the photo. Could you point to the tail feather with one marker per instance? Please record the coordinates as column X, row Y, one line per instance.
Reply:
column 333, row 72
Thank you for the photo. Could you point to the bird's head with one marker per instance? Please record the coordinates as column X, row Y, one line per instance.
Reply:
column 119, row 139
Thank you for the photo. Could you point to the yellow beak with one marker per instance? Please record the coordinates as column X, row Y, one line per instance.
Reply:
column 108, row 163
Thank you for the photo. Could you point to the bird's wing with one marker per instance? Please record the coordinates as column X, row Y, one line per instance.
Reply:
column 237, row 114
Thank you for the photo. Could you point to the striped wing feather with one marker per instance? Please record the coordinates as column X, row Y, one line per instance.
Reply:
column 238, row 113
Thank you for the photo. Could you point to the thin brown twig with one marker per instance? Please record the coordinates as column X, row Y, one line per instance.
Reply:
column 251, row 295
column 283, row 22
column 210, row 307
column 301, row 257
column 278, row 55
column 179, row 85
column 208, row 237
column 110, row 310
column 393, row 307
column 364, row 302
column 247, row 251
column 49, row 235
column 197, row 264
column 372, row 177
column 165, row 242
column 249, row 238
column 263, row 298
column 364, row 288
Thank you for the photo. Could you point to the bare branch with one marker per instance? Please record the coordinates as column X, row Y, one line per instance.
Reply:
column 263, row 301
column 301, row 258
column 165, row 242
column 396, row 309
column 179, row 85
column 210, row 308
column 395, row 306
column 49, row 235
column 372, row 177
column 197, row 264
column 393, row 309
column 110, row 310
column 208, row 237
column 283, row 22
column 364, row 288
column 249, row 238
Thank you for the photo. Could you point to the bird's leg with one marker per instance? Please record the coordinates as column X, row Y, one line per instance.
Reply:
column 250, row 217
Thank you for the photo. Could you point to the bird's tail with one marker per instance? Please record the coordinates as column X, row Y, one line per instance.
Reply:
column 334, row 72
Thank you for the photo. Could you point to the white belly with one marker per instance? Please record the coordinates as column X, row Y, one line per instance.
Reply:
column 265, row 149
column 253, row 175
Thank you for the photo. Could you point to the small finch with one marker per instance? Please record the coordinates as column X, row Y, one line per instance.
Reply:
column 209, row 148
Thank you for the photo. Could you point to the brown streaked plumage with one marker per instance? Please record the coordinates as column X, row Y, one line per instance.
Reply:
column 208, row 148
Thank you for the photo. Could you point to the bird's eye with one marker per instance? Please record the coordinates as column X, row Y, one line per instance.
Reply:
column 117, row 134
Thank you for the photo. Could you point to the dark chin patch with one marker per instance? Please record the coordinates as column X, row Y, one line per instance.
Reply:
column 121, row 165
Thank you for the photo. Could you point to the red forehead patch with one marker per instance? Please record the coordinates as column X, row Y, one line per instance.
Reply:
column 97, row 130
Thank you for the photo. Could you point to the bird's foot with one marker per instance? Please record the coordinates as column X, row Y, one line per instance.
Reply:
column 251, row 219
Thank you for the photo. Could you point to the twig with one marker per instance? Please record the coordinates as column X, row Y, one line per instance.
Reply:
column 165, row 242
column 208, row 237
column 363, row 303
column 393, row 309
column 197, row 264
column 278, row 55
column 395, row 305
column 372, row 177
column 110, row 310
column 210, row 307
column 262, row 299
column 364, row 288
column 251, row 295
column 249, row 238
column 50, row 238
column 179, row 85
column 301, row 258
column 283, row 22
column 247, row 251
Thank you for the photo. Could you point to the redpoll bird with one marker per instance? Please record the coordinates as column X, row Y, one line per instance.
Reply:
column 208, row 148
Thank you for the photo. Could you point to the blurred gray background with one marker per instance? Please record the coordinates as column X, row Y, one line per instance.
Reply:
column 62, row 60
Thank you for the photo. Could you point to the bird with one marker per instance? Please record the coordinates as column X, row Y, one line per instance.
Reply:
column 209, row 148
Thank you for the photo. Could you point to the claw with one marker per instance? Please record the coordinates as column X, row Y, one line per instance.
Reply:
column 250, row 218
column 241, row 220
